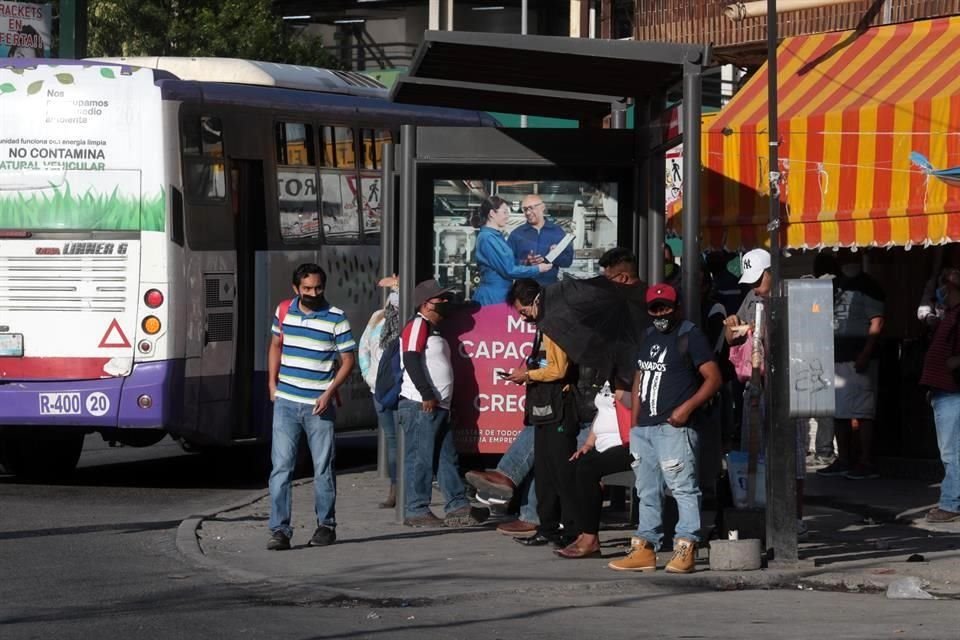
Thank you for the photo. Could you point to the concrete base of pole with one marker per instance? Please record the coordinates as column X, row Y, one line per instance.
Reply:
column 735, row 555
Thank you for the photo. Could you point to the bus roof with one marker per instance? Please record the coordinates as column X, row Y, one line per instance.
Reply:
column 254, row 72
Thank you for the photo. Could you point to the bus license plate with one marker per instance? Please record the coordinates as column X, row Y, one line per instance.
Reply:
column 11, row 345
column 60, row 404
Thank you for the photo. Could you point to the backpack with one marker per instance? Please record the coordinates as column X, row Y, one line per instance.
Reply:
column 389, row 377
column 282, row 310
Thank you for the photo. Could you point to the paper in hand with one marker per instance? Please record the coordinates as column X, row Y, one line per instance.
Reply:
column 558, row 249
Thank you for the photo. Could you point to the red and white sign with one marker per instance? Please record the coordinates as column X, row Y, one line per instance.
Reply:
column 487, row 412
column 114, row 337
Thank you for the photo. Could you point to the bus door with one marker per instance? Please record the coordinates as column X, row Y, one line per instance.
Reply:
column 250, row 231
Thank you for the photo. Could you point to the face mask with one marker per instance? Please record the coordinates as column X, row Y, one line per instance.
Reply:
column 663, row 324
column 850, row 270
column 312, row 302
column 393, row 299
column 442, row 308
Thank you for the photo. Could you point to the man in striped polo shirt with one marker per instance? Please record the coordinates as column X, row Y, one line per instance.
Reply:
column 309, row 336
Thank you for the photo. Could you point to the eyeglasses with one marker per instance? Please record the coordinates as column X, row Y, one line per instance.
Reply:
column 531, row 207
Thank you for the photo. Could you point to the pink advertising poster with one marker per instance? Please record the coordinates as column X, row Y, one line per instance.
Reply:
column 487, row 411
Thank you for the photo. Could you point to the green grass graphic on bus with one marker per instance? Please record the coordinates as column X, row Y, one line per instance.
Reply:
column 64, row 209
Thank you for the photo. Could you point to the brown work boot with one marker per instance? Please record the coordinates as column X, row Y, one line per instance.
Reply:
column 518, row 529
column 391, row 500
column 492, row 483
column 642, row 557
column 684, row 556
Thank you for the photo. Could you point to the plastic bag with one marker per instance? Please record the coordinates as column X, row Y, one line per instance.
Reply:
column 908, row 588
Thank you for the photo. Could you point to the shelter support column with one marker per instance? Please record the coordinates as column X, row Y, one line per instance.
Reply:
column 656, row 203
column 692, row 106
column 641, row 186
column 388, row 260
column 408, row 263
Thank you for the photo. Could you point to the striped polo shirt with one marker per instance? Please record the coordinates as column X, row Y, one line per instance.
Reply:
column 311, row 342
column 945, row 344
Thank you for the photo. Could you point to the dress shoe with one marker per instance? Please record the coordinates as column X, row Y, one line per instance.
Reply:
column 574, row 552
column 492, row 483
column 536, row 540
column 518, row 529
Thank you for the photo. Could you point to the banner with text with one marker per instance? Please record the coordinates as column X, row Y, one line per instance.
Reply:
column 25, row 29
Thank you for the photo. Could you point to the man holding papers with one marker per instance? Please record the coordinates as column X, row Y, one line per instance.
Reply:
column 541, row 240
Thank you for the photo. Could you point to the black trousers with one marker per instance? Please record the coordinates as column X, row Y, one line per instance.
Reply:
column 556, row 492
column 589, row 469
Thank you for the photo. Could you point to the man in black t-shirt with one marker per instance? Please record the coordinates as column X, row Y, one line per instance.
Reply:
column 676, row 375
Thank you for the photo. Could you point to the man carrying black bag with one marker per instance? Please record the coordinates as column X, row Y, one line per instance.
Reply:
column 551, row 408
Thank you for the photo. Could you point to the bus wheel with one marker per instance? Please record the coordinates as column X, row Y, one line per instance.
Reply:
column 40, row 455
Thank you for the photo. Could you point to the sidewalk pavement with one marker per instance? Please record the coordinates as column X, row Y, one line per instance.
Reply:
column 863, row 535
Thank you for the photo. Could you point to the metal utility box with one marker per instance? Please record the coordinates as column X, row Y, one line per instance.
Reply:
column 809, row 333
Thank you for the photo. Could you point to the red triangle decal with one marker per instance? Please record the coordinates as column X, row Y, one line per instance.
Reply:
column 114, row 337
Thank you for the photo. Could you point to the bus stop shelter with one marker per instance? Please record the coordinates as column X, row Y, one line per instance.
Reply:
column 582, row 79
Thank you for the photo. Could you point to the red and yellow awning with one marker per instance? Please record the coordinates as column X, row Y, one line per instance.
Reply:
column 853, row 109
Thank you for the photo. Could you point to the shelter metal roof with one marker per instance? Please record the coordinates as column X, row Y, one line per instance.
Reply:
column 515, row 73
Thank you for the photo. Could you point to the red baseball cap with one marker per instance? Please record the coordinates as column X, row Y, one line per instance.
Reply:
column 661, row 294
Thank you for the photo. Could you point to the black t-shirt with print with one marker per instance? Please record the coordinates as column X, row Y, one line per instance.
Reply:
column 669, row 377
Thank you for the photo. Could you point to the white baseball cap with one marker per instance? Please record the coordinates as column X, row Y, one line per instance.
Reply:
column 753, row 264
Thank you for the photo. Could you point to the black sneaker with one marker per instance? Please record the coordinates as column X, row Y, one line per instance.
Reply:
column 836, row 469
column 322, row 537
column 279, row 541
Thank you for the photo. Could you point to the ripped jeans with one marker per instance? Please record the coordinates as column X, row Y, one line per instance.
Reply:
column 666, row 455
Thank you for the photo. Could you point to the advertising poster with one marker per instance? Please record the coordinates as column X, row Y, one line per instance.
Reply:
column 25, row 29
column 478, row 252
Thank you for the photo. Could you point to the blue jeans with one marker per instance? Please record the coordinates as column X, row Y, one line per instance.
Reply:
column 427, row 438
column 387, row 421
column 946, row 416
column 289, row 419
column 666, row 454
column 517, row 464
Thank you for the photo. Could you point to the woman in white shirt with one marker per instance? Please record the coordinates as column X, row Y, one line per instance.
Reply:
column 605, row 451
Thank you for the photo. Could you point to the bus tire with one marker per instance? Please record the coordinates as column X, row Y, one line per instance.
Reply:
column 40, row 455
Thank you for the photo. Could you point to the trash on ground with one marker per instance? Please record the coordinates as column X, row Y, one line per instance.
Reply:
column 908, row 588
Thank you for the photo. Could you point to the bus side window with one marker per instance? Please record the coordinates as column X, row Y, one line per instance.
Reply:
column 201, row 140
column 297, row 183
column 372, row 141
column 339, row 209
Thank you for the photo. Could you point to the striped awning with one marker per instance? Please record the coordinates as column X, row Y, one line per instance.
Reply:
column 869, row 132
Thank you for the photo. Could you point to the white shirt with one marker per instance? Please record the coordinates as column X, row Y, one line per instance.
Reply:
column 605, row 426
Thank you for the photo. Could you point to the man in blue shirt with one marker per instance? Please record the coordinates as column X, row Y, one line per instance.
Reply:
column 309, row 336
column 534, row 240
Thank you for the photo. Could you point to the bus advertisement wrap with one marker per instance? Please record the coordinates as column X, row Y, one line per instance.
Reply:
column 25, row 29
column 68, row 132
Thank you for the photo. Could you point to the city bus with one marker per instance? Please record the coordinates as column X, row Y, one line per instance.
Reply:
column 152, row 211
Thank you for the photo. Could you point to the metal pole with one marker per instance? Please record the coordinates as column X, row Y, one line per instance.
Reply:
column 73, row 29
column 449, row 15
column 407, row 275
column 781, row 510
column 658, row 202
column 642, row 182
column 523, row 31
column 692, row 99
column 388, row 258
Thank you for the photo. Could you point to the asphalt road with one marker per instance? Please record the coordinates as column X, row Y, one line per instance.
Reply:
column 96, row 558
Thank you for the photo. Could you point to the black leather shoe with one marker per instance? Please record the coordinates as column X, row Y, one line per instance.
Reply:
column 536, row 540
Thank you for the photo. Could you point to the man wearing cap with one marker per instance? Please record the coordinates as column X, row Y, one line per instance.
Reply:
column 424, row 412
column 676, row 375
column 755, row 272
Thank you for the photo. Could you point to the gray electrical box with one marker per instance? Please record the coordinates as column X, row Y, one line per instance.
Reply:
column 809, row 332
